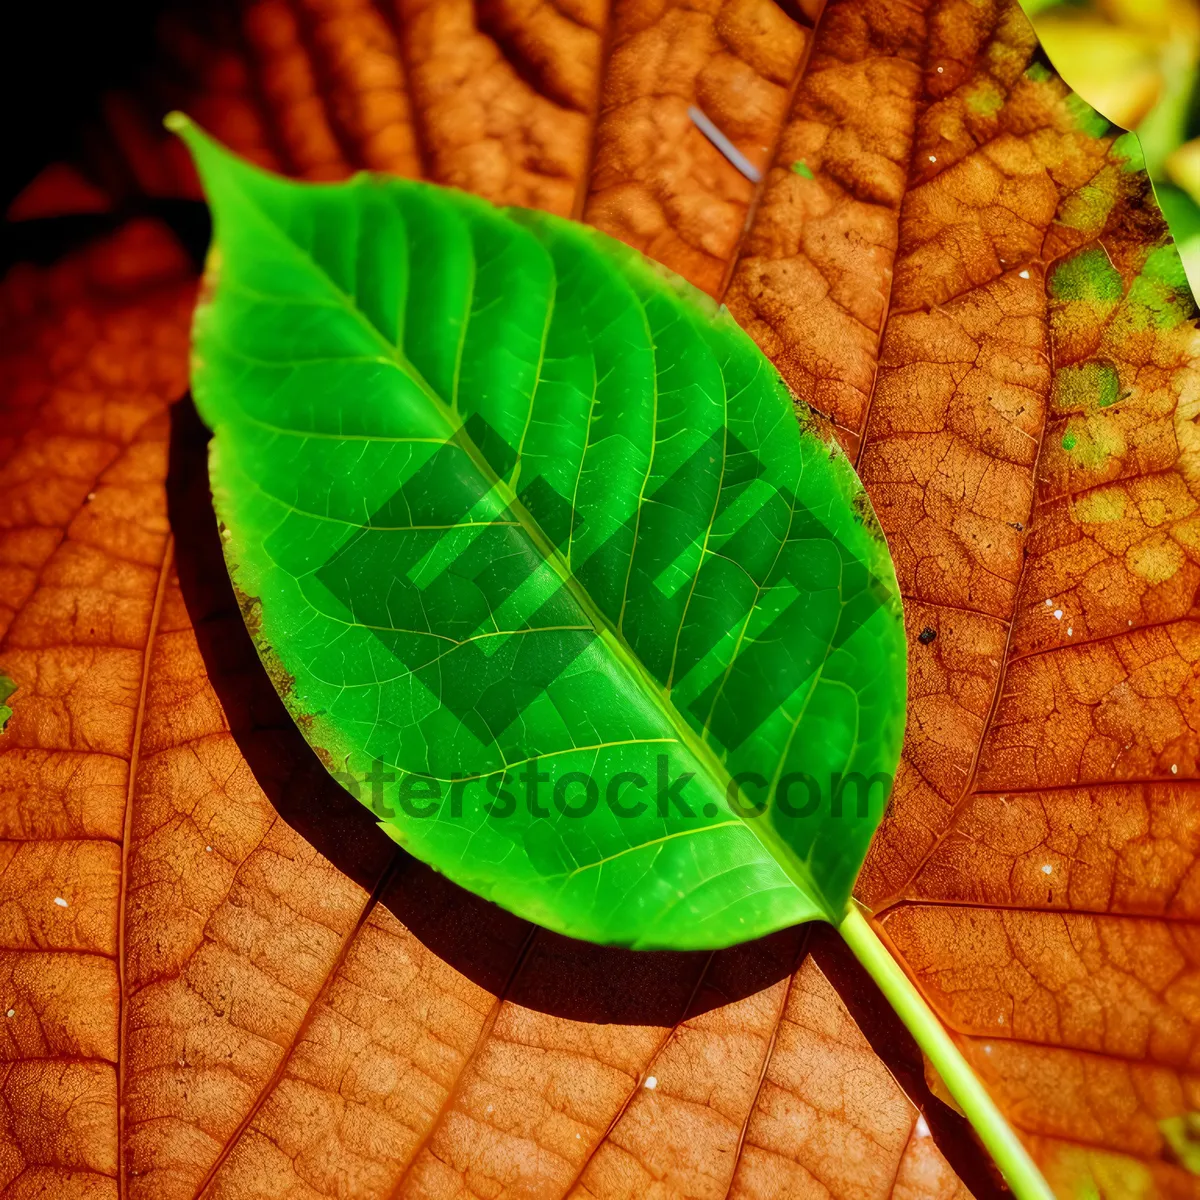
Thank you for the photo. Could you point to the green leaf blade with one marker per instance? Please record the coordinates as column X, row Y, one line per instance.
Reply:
column 523, row 521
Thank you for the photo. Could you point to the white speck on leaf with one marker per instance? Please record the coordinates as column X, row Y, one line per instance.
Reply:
column 60, row 902
column 933, row 158
column 12, row 1012
column 651, row 1082
column 1047, row 869
column 1058, row 614
column 1174, row 769
column 922, row 1126
column 1025, row 275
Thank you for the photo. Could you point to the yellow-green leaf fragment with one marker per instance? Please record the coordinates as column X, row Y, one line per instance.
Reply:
column 7, row 687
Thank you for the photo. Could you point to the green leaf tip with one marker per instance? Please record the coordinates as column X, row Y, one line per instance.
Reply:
column 203, row 148
column 541, row 558
column 199, row 142
column 215, row 163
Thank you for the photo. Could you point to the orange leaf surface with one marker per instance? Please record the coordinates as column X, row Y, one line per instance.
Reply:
column 247, row 993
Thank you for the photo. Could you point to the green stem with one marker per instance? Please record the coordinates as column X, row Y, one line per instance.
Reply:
column 1005, row 1147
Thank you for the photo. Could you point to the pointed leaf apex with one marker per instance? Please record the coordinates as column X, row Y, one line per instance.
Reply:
column 202, row 147
column 206, row 151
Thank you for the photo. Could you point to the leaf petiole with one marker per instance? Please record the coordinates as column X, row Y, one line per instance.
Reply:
column 1019, row 1170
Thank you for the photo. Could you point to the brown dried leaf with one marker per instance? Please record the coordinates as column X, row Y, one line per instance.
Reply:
column 307, row 1015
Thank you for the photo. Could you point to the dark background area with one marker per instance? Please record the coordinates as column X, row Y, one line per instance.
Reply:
column 56, row 62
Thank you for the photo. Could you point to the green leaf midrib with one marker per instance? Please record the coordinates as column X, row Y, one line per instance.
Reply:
column 797, row 873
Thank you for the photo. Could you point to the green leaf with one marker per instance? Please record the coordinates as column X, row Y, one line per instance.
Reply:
column 542, row 561
column 7, row 687
column 1183, row 216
